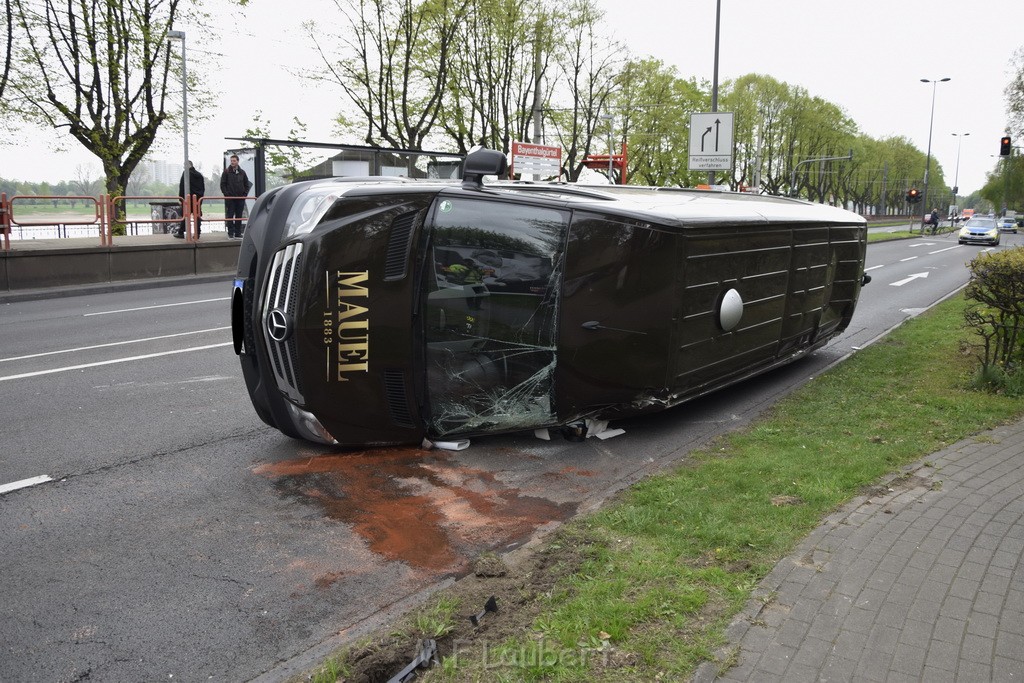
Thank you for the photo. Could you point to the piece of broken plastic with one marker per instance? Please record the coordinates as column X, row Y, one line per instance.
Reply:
column 459, row 445
column 599, row 428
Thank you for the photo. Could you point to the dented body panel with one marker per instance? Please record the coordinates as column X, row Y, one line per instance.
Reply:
column 390, row 312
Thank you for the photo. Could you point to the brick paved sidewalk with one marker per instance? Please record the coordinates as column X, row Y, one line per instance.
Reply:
column 923, row 580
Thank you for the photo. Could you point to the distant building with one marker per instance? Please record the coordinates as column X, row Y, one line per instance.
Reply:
column 161, row 171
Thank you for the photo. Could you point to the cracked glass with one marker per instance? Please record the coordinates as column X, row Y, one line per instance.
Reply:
column 491, row 297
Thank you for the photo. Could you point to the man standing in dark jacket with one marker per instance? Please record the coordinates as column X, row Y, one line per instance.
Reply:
column 234, row 185
column 197, row 188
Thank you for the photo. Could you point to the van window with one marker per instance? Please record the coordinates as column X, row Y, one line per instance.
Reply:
column 490, row 313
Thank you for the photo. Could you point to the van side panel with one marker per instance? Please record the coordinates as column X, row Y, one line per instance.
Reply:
column 798, row 286
column 754, row 261
column 849, row 245
column 616, row 326
column 810, row 274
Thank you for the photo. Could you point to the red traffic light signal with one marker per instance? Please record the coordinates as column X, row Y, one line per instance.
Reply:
column 1004, row 146
column 913, row 196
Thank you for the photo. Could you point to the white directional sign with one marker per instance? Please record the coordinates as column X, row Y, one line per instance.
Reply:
column 711, row 141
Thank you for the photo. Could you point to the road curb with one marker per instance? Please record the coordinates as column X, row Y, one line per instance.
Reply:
column 108, row 287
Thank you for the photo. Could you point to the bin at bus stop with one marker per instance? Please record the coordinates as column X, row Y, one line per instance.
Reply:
column 165, row 211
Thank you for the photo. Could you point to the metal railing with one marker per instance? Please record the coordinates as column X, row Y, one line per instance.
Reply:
column 9, row 219
column 108, row 214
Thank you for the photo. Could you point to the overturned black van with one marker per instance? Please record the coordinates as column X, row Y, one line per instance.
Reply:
column 382, row 311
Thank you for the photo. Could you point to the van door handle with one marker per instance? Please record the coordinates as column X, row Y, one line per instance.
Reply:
column 595, row 325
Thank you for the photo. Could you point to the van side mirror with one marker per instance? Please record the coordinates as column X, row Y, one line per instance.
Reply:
column 480, row 163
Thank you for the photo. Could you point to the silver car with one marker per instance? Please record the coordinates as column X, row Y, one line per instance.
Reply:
column 980, row 231
column 1008, row 225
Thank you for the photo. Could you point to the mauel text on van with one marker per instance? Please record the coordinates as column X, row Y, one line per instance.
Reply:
column 353, row 327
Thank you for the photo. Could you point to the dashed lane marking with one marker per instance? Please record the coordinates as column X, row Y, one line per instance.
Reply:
column 147, row 308
column 24, row 483
column 102, row 346
column 111, row 362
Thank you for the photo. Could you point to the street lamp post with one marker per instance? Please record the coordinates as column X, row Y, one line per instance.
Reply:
column 180, row 35
column 611, row 132
column 928, row 162
column 714, row 83
column 956, row 174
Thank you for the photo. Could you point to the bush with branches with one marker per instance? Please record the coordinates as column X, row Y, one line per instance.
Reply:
column 995, row 312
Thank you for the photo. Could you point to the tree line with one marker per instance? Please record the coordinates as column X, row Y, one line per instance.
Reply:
column 448, row 75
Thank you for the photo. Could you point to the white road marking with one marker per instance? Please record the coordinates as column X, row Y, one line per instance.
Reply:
column 111, row 362
column 874, row 268
column 147, row 308
column 25, row 483
column 939, row 251
column 907, row 259
column 900, row 283
column 923, row 244
column 102, row 346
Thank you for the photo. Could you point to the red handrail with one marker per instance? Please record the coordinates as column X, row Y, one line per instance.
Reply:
column 12, row 221
column 5, row 221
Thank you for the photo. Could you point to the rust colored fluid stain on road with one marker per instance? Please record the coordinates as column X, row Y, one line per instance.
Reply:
column 419, row 507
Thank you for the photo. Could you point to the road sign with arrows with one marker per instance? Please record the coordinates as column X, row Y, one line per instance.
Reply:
column 711, row 141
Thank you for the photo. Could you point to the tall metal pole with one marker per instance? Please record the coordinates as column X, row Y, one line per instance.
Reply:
column 537, row 83
column 1006, row 181
column 610, row 120
column 956, row 174
column 180, row 35
column 928, row 162
column 714, row 82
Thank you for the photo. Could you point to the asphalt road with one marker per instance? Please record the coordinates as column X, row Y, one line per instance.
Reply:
column 177, row 536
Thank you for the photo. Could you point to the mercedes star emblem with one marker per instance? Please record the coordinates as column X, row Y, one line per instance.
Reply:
column 278, row 326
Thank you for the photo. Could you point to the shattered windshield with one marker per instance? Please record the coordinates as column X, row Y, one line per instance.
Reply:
column 491, row 314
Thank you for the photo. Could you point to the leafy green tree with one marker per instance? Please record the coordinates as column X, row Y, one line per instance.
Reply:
column 761, row 105
column 1015, row 95
column 1005, row 185
column 654, row 104
column 285, row 163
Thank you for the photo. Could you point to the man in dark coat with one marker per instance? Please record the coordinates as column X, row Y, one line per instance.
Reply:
column 197, row 188
column 234, row 185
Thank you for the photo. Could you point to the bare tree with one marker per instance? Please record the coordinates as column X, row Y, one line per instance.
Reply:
column 393, row 65
column 139, row 180
column 86, row 182
column 5, row 69
column 589, row 64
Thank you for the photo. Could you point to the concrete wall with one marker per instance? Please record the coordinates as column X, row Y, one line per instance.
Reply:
column 37, row 268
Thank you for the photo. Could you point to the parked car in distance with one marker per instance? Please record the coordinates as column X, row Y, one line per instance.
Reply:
column 385, row 311
column 980, row 230
column 1008, row 224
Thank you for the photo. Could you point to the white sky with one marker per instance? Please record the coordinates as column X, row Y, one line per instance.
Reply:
column 866, row 56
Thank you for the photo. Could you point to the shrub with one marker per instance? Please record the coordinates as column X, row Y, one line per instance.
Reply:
column 995, row 311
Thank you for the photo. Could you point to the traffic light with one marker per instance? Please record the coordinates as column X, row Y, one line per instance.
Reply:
column 1004, row 146
column 913, row 196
